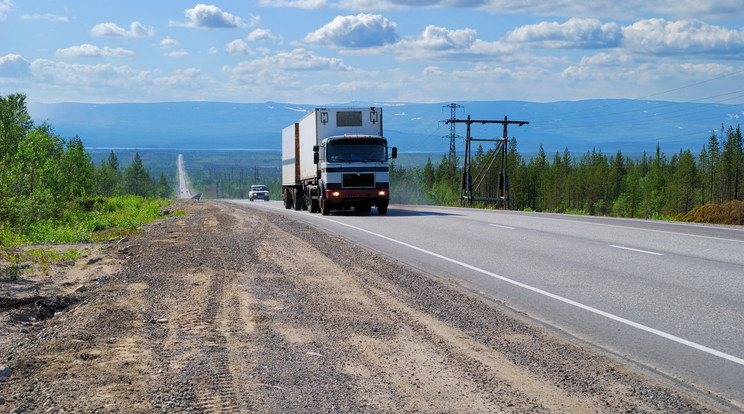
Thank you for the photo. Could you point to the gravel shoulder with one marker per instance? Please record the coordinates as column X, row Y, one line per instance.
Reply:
column 231, row 309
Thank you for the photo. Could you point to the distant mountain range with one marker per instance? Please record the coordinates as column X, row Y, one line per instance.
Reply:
column 632, row 126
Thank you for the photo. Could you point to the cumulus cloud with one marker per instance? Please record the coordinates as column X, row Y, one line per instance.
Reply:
column 575, row 33
column 362, row 30
column 295, row 60
column 92, row 50
column 48, row 17
column 262, row 35
column 209, row 17
column 440, row 38
column 136, row 29
column 238, row 47
column 168, row 42
column 693, row 37
column 14, row 66
column 442, row 44
column 628, row 9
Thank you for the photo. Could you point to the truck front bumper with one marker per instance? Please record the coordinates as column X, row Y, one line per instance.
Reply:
column 373, row 195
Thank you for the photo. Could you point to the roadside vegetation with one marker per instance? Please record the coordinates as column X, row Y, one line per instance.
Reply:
column 707, row 187
column 52, row 192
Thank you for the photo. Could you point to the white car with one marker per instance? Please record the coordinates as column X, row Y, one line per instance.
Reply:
column 258, row 192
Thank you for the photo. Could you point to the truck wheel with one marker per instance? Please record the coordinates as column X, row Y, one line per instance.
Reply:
column 287, row 200
column 382, row 209
column 297, row 200
column 314, row 206
column 325, row 208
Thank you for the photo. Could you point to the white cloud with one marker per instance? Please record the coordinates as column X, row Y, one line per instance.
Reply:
column 92, row 50
column 626, row 68
column 442, row 44
column 168, row 42
column 209, row 17
column 14, row 66
column 188, row 78
column 5, row 6
column 686, row 37
column 176, row 53
column 136, row 29
column 89, row 75
column 262, row 35
column 440, row 38
column 48, row 17
column 575, row 33
column 360, row 31
column 238, row 47
column 628, row 9
column 295, row 60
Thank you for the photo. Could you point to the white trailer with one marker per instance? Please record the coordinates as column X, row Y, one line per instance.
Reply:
column 336, row 158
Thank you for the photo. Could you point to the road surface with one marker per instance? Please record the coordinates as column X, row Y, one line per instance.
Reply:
column 183, row 182
column 667, row 298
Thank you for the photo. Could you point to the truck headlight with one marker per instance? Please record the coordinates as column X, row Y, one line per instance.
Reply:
column 336, row 194
column 382, row 193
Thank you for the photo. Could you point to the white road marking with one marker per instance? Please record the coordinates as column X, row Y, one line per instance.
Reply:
column 502, row 227
column 653, row 230
column 636, row 250
column 608, row 315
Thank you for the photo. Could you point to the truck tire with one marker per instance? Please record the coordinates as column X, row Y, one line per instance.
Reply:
column 325, row 207
column 297, row 198
column 314, row 206
column 382, row 209
column 287, row 200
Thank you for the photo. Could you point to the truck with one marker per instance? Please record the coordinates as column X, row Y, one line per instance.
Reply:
column 336, row 159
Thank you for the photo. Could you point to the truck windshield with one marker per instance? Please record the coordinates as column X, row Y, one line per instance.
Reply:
column 356, row 150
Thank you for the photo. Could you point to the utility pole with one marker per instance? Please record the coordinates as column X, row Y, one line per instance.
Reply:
column 467, row 193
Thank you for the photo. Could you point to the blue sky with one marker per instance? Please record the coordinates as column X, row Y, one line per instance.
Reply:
column 332, row 51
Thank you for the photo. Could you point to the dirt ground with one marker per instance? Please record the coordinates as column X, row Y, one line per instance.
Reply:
column 230, row 309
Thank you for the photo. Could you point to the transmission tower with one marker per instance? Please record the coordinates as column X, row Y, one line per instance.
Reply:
column 452, row 135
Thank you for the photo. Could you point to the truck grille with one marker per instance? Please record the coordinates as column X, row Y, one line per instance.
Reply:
column 358, row 180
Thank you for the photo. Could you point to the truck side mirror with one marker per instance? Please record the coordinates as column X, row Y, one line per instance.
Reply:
column 316, row 156
column 395, row 152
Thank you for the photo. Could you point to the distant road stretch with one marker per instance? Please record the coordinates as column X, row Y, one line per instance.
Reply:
column 183, row 182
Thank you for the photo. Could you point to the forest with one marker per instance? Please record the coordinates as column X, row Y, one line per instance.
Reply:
column 706, row 186
column 52, row 191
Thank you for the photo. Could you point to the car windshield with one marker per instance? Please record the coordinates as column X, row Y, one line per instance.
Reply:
column 356, row 149
column 259, row 188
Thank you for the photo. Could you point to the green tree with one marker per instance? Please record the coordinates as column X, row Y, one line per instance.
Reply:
column 684, row 184
column 15, row 123
column 136, row 179
column 77, row 170
column 714, row 163
column 163, row 190
column 428, row 175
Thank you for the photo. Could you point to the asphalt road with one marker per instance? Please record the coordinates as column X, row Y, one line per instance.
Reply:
column 666, row 297
column 183, row 182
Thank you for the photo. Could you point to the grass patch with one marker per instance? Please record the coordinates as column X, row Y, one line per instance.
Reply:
column 99, row 220
column 104, row 220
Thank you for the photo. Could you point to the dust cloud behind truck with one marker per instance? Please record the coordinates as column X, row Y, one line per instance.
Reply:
column 336, row 159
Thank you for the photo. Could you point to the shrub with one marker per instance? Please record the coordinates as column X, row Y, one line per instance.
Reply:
column 730, row 212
